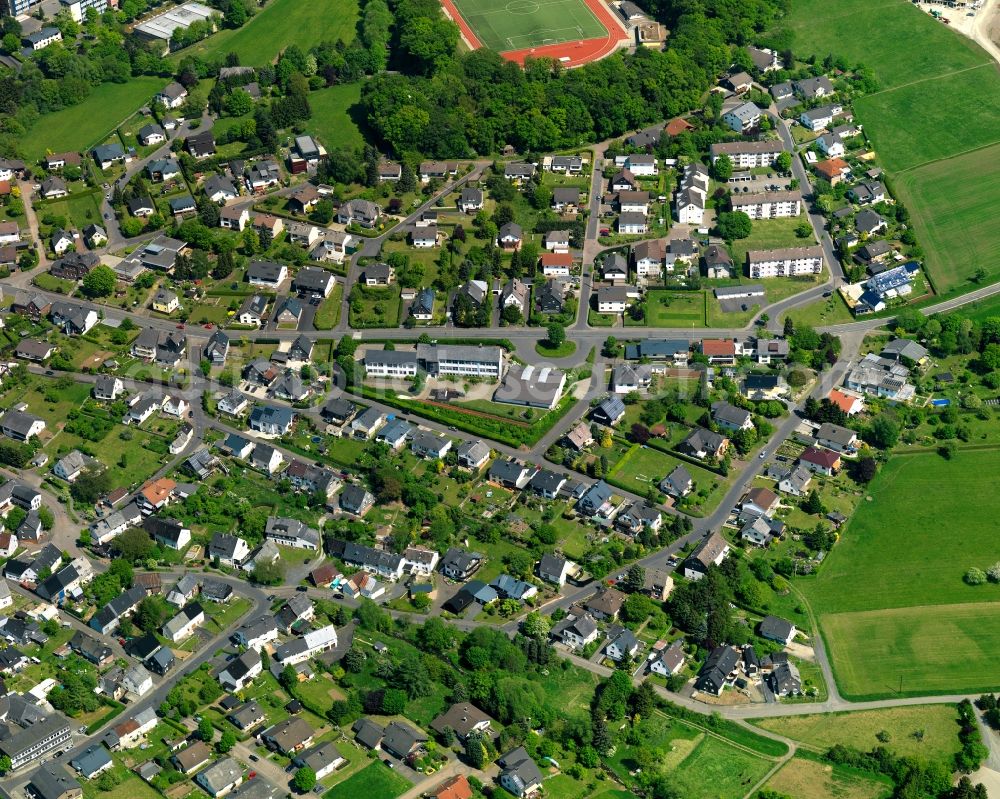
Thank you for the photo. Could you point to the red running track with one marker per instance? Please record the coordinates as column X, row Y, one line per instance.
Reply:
column 576, row 53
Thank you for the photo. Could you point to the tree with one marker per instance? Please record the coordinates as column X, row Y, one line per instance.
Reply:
column 722, row 168
column 92, row 484
column 475, row 752
column 289, row 678
column 732, row 225
column 226, row 742
column 205, row 730
column 133, row 545
column 866, row 469
column 634, row 580
column 555, row 335
column 304, row 779
column 789, row 328
column 5, row 764
column 783, row 163
column 975, row 576
column 883, row 433
column 812, row 503
column 99, row 281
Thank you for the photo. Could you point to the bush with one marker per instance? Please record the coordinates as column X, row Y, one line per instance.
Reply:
column 975, row 576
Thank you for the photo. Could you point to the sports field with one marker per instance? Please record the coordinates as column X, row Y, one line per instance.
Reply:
column 520, row 24
column 932, row 149
column 890, row 598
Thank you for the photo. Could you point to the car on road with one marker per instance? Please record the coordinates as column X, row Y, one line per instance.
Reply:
column 254, row 758
column 389, row 763
column 763, row 454
column 208, row 325
column 180, row 326
column 49, row 372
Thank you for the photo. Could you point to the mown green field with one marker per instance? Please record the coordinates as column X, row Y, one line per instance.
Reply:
column 957, row 235
column 859, row 728
column 890, row 598
column 277, row 25
column 938, row 102
column 376, row 781
column 82, row 126
column 908, row 131
column 332, row 118
column 897, row 40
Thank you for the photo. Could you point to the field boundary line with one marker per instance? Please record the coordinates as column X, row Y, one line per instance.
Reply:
column 889, row 89
column 947, row 157
column 718, row 736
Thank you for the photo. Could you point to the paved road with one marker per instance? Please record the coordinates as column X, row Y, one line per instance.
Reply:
column 13, row 783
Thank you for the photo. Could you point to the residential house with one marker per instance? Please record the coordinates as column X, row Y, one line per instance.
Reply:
column 710, row 552
column 819, row 460
column 519, row 773
column 241, row 671
column 556, row 569
column 742, row 118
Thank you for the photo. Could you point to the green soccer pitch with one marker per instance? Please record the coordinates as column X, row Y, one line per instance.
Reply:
column 520, row 24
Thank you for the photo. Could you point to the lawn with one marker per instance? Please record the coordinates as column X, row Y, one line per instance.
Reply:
column 770, row 234
column 716, row 770
column 376, row 781
column 957, row 237
column 804, row 778
column 544, row 349
column 918, row 620
column 332, row 118
column 328, row 312
column 675, row 308
column 522, row 23
column 371, row 307
column 277, row 25
column 824, row 311
column 80, row 127
column 79, row 209
column 858, row 729
column 131, row 788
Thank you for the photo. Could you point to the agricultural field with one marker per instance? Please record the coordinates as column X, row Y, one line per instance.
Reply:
column 804, row 778
column 277, row 25
column 927, row 155
column 859, row 729
column 927, row 629
column 905, row 140
column 80, row 127
column 849, row 28
column 520, row 24
column 957, row 237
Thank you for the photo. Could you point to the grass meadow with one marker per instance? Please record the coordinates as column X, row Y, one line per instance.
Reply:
column 376, row 781
column 82, row 126
column 717, row 770
column 931, row 519
column 277, row 25
column 859, row 728
column 332, row 118
column 805, row 778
